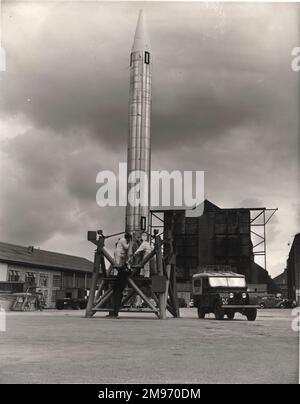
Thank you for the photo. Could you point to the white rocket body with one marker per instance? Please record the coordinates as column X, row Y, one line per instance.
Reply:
column 139, row 114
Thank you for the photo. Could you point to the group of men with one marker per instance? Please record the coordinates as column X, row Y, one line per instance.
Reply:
column 123, row 259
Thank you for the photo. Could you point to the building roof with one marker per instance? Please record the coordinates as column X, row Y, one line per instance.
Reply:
column 21, row 255
column 204, row 207
column 280, row 279
column 210, row 207
column 296, row 243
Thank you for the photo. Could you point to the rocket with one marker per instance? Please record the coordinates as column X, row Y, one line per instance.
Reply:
column 139, row 114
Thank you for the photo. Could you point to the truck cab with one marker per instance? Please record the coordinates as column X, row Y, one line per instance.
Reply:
column 223, row 293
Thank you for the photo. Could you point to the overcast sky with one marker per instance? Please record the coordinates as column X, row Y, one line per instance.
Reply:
column 225, row 100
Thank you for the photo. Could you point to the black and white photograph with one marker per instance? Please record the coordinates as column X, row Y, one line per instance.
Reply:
column 149, row 195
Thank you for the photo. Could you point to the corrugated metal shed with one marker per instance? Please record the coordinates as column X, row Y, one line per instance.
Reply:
column 30, row 256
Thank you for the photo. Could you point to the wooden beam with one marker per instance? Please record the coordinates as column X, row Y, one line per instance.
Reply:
column 129, row 310
column 108, row 256
column 103, row 266
column 100, row 288
column 107, row 295
column 91, row 299
column 168, row 270
column 173, row 291
column 140, row 293
column 159, row 263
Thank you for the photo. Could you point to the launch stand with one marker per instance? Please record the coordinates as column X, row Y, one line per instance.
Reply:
column 157, row 293
column 162, row 285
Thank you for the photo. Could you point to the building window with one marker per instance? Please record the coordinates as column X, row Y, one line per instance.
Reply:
column 131, row 59
column 56, row 281
column 147, row 58
column 30, row 278
column 44, row 280
column 13, row 276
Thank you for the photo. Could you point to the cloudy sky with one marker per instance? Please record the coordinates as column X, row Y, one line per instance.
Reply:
column 225, row 100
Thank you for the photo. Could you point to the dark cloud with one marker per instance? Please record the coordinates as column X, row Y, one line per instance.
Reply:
column 48, row 184
column 77, row 75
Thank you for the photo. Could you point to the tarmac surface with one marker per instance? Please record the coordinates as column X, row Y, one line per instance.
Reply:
column 63, row 347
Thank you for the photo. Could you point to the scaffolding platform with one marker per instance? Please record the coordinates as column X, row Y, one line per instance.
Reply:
column 158, row 294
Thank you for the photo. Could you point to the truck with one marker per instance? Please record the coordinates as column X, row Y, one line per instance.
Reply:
column 71, row 298
column 223, row 293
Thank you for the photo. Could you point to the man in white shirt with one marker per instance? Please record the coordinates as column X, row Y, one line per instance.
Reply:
column 144, row 249
column 122, row 247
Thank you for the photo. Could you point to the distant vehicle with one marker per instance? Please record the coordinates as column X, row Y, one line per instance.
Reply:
column 181, row 302
column 272, row 301
column 191, row 303
column 223, row 293
column 71, row 298
column 28, row 301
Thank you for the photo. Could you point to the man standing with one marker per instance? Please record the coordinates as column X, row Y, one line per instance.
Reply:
column 122, row 247
column 144, row 249
column 121, row 257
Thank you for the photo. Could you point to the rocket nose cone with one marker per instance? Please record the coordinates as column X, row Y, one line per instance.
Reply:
column 141, row 38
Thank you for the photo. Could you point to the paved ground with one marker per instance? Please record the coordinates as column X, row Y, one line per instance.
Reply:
column 56, row 347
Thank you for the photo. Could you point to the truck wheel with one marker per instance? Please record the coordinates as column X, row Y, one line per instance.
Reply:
column 219, row 312
column 230, row 315
column 59, row 306
column 201, row 313
column 251, row 314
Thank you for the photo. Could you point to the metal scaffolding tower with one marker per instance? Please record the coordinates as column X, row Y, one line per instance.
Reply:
column 259, row 218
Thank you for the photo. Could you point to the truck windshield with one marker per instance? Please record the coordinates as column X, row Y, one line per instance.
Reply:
column 223, row 282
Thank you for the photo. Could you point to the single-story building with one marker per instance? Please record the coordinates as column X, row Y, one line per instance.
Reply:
column 49, row 271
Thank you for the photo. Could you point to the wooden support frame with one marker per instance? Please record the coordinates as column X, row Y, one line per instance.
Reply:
column 102, row 285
